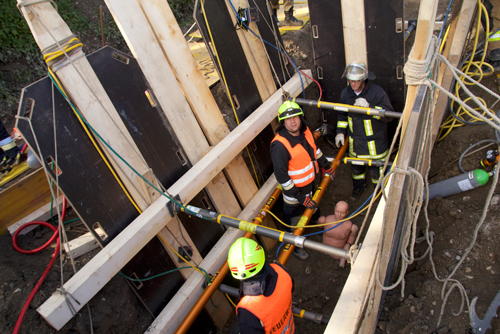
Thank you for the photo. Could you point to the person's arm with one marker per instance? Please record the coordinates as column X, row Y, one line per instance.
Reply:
column 280, row 158
column 249, row 323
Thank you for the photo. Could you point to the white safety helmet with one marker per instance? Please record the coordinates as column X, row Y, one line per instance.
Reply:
column 356, row 71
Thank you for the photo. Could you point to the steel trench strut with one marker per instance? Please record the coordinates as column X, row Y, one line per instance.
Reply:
column 347, row 108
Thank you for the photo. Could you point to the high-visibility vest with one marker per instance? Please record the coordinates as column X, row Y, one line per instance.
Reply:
column 301, row 169
column 275, row 311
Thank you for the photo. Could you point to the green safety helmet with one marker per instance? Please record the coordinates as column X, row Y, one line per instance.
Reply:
column 356, row 71
column 289, row 109
column 245, row 258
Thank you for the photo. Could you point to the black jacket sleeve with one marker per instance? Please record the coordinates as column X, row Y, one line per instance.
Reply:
column 249, row 323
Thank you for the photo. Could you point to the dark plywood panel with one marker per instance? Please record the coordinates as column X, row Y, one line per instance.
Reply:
column 126, row 86
column 328, row 50
column 93, row 192
column 386, row 53
column 236, row 71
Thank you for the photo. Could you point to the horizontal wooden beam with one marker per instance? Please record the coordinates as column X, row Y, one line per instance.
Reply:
column 92, row 277
column 176, row 310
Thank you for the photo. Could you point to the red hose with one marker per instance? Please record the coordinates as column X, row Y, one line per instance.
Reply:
column 49, row 266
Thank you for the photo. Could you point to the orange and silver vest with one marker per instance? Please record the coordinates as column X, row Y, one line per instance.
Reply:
column 301, row 168
column 275, row 311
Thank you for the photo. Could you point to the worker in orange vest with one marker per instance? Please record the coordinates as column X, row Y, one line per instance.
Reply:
column 296, row 161
column 265, row 289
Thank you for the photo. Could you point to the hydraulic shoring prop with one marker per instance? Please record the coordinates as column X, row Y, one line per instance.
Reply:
column 347, row 108
column 287, row 250
column 297, row 311
column 223, row 270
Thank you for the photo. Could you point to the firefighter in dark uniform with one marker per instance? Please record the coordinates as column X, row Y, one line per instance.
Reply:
column 296, row 161
column 367, row 134
column 10, row 154
column 265, row 290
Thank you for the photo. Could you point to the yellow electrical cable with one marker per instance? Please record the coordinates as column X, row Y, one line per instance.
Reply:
column 227, row 87
column 444, row 39
column 230, row 300
column 452, row 122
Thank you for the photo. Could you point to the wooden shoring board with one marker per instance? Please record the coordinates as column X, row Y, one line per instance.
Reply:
column 174, row 313
column 198, row 95
column 153, row 62
column 353, row 19
column 215, row 23
column 460, row 28
column 30, row 193
column 86, row 92
column 93, row 276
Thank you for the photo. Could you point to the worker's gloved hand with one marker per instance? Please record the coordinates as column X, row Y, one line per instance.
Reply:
column 310, row 203
column 339, row 139
column 330, row 172
column 361, row 102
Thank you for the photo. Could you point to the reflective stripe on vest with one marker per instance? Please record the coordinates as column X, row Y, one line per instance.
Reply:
column 275, row 311
column 301, row 169
column 349, row 119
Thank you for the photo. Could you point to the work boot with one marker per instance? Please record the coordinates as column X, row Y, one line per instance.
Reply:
column 300, row 253
column 291, row 20
column 356, row 193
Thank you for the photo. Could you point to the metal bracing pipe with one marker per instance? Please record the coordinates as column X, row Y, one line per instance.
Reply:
column 289, row 238
column 223, row 270
column 287, row 250
column 347, row 108
column 297, row 311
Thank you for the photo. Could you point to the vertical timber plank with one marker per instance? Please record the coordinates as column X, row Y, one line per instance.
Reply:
column 353, row 19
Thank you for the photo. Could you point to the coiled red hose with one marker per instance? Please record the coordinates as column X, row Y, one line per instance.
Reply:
column 49, row 266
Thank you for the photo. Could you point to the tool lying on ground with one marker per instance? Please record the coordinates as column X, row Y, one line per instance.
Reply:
column 347, row 108
column 297, row 312
column 481, row 325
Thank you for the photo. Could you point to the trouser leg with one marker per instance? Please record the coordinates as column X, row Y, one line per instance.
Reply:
column 291, row 211
column 358, row 176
